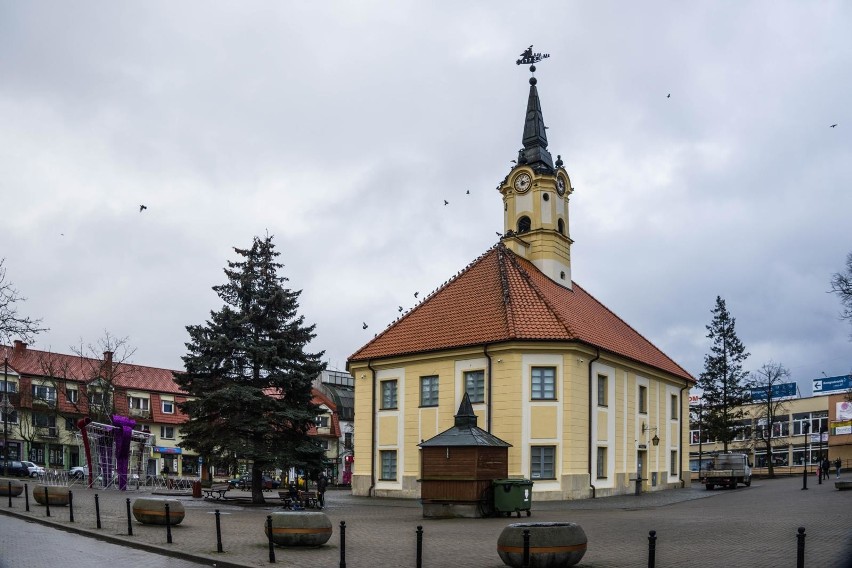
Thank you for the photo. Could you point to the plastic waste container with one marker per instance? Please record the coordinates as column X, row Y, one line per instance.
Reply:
column 512, row 496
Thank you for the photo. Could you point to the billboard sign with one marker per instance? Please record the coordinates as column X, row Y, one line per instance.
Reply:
column 832, row 385
column 844, row 410
column 779, row 392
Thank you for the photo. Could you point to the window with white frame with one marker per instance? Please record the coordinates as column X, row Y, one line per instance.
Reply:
column 543, row 383
column 388, row 458
column 602, row 466
column 8, row 386
column 542, row 460
column 168, row 406
column 429, row 391
column 96, row 398
column 603, row 398
column 11, row 418
column 138, row 403
column 44, row 393
column 322, row 421
column 72, row 395
column 167, row 432
column 389, row 394
column 474, row 385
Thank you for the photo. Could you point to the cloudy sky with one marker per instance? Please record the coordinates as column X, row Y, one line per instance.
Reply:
column 341, row 127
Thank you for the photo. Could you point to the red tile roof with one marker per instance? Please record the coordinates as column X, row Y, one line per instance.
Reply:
column 502, row 297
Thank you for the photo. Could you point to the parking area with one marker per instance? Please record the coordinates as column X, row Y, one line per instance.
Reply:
column 753, row 526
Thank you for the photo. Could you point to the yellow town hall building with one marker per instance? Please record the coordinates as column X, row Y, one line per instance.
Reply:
column 586, row 402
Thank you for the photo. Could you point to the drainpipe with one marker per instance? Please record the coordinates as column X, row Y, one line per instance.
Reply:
column 591, row 434
column 680, row 435
column 488, row 388
column 373, row 442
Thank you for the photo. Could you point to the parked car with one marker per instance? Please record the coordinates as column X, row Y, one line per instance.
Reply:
column 244, row 483
column 35, row 470
column 79, row 472
column 16, row 469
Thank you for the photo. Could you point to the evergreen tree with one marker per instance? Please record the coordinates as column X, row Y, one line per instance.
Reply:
column 723, row 381
column 248, row 373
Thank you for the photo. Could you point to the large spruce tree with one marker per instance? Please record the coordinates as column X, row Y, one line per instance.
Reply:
column 248, row 374
column 725, row 384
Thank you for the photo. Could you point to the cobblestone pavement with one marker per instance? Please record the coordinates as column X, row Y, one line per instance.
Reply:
column 753, row 526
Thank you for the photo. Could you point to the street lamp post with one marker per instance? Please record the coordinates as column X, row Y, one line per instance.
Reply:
column 6, row 406
column 807, row 428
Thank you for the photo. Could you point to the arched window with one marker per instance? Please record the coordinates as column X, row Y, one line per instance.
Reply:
column 560, row 226
column 524, row 224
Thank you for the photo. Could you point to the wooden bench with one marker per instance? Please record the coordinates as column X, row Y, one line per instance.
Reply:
column 216, row 491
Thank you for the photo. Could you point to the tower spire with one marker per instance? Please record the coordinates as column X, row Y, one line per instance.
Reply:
column 534, row 152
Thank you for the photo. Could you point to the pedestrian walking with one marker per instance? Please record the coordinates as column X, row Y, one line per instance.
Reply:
column 322, row 485
column 837, row 464
column 826, row 466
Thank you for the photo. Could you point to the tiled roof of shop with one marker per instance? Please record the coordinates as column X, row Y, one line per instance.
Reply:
column 502, row 297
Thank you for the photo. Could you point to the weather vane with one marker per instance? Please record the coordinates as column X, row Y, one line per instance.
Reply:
column 529, row 58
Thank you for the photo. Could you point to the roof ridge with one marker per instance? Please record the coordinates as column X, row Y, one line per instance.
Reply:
column 554, row 312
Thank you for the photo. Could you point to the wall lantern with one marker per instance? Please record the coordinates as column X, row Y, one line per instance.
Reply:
column 656, row 439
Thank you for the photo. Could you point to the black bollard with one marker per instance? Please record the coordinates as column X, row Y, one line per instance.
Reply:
column 218, row 532
column 47, row 501
column 800, row 548
column 805, row 477
column 652, row 548
column 526, row 563
column 129, row 523
column 10, row 494
column 342, row 544
column 70, row 506
column 419, row 546
column 168, row 525
column 27, row 496
column 269, row 533
column 97, row 511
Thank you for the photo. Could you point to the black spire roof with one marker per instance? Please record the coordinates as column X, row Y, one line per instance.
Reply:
column 465, row 432
column 535, row 152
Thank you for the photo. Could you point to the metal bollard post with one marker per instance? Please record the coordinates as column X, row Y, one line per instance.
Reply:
column 419, row 546
column 168, row 525
column 47, row 501
column 27, row 496
column 98, row 510
column 269, row 533
column 800, row 548
column 342, row 544
column 129, row 524
column 10, row 494
column 70, row 506
column 218, row 532
column 526, row 563
column 652, row 548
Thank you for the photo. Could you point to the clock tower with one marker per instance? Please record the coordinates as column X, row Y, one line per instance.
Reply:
column 535, row 200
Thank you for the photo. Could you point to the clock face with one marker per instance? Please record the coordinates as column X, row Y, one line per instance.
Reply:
column 560, row 186
column 522, row 182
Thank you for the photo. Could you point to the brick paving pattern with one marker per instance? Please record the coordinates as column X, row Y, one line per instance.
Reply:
column 753, row 526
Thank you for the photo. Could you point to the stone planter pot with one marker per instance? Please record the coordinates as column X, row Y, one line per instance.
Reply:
column 299, row 528
column 17, row 487
column 552, row 545
column 153, row 511
column 56, row 495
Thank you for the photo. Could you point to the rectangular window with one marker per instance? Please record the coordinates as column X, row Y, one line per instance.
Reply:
column 41, row 420
column 673, row 466
column 388, row 395
column 72, row 395
column 137, row 403
column 168, row 406
column 44, row 394
column 167, row 432
column 643, row 399
column 70, row 425
column 474, row 385
column 388, row 465
column 601, row 463
column 347, row 440
column 322, row 443
column 542, row 459
column 602, row 390
column 56, row 456
column 12, row 418
column 543, row 380
column 96, row 398
column 322, row 421
column 8, row 386
column 37, row 453
column 675, row 407
column 429, row 391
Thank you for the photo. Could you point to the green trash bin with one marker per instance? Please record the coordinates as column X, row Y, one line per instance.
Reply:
column 512, row 496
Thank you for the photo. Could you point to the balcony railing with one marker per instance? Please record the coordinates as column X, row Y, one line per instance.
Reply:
column 140, row 413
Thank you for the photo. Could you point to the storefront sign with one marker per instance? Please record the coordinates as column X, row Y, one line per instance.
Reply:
column 167, row 450
column 844, row 410
column 832, row 385
column 842, row 428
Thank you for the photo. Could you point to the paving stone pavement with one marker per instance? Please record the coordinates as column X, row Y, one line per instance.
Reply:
column 753, row 526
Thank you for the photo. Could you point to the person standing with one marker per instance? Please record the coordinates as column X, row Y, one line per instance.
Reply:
column 322, row 485
column 826, row 466
column 837, row 464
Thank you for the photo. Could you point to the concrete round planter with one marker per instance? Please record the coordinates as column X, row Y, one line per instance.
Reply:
column 153, row 511
column 552, row 545
column 56, row 495
column 299, row 528
column 17, row 487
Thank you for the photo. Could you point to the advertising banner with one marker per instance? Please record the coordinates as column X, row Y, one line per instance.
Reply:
column 844, row 410
column 832, row 385
column 779, row 392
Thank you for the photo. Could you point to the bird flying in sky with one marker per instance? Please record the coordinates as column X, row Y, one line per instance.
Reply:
column 364, row 325
column 142, row 208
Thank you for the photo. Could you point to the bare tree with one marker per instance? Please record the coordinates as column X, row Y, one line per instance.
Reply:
column 103, row 364
column 12, row 324
column 770, row 409
column 841, row 284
